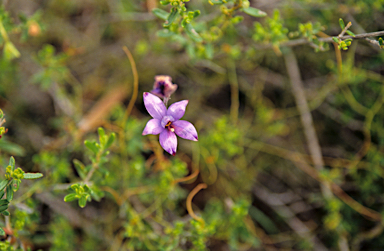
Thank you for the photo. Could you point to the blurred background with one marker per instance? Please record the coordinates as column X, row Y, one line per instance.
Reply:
column 291, row 136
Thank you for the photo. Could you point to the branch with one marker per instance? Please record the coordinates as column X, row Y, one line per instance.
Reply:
column 306, row 117
column 302, row 41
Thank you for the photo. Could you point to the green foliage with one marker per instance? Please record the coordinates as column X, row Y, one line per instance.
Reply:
column 273, row 32
column 54, row 69
column 81, row 192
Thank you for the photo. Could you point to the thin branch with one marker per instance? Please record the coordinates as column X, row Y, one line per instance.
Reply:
column 302, row 41
column 306, row 117
column 344, row 30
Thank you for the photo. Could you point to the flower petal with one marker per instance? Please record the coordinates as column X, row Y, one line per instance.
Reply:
column 154, row 106
column 177, row 110
column 153, row 127
column 185, row 130
column 168, row 141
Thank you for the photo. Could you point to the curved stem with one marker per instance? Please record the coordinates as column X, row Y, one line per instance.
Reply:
column 189, row 201
column 135, row 84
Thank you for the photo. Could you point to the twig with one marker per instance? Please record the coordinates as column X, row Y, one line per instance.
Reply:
column 290, row 218
column 344, row 30
column 306, row 117
column 300, row 162
column 302, row 41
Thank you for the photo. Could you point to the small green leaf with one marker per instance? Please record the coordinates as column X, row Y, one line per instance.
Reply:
column 6, row 213
column 4, row 202
column 165, row 33
column 80, row 168
column 31, row 176
column 91, row 146
column 2, row 231
column 110, row 141
column 9, row 51
column 341, row 22
column 162, row 14
column 209, row 51
column 254, row 12
column 2, row 192
column 12, row 148
column 164, row 2
column 335, row 39
column 351, row 33
column 10, row 191
column 191, row 32
column 381, row 42
column 212, row 2
column 15, row 188
column 172, row 16
column 70, row 197
column 3, row 184
column 82, row 201
column 12, row 163
column 3, row 208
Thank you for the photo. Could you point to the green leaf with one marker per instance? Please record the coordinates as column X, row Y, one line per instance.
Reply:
column 335, row 39
column 91, row 146
column 80, row 168
column 381, row 43
column 209, row 51
column 12, row 148
column 217, row 2
column 70, row 197
column 110, row 141
column 83, row 201
column 12, row 162
column 3, row 184
column 31, row 176
column 191, row 32
column 254, row 12
column 172, row 16
column 341, row 22
column 15, row 188
column 4, row 202
column 10, row 191
column 6, row 213
column 9, row 51
column 2, row 231
column 351, row 33
column 162, row 14
column 3, row 208
column 102, row 138
column 2, row 192
column 165, row 33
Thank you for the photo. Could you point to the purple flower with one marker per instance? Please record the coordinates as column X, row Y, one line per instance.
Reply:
column 163, row 86
column 167, row 123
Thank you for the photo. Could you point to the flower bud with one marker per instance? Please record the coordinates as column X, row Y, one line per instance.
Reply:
column 163, row 86
column 34, row 29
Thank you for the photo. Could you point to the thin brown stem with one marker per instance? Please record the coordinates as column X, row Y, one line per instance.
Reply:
column 135, row 84
column 306, row 117
column 302, row 41
column 189, row 201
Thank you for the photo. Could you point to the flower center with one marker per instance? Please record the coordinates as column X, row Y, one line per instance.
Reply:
column 166, row 122
column 169, row 126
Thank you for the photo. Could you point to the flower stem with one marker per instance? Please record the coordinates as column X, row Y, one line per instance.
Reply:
column 189, row 201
